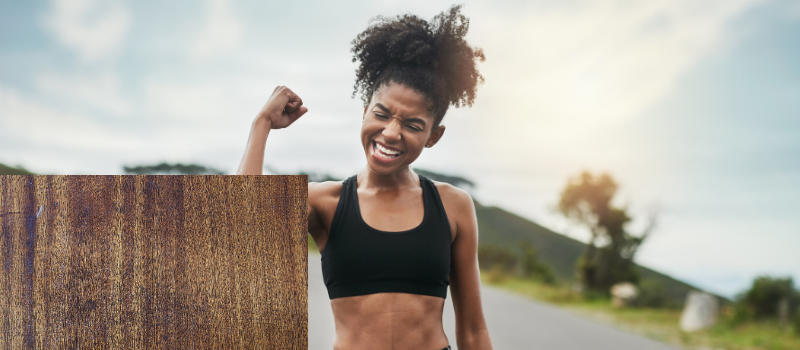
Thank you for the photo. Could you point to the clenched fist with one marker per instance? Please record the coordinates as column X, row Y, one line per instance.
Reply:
column 282, row 108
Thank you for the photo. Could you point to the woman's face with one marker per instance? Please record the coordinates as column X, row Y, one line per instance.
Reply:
column 396, row 128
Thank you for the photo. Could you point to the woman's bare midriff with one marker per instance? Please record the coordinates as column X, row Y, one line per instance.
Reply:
column 396, row 321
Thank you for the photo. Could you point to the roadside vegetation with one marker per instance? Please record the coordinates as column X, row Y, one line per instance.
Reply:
column 739, row 326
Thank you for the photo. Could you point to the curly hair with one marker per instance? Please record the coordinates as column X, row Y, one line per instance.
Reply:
column 431, row 58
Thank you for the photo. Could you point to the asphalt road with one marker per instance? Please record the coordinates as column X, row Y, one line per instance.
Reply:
column 514, row 323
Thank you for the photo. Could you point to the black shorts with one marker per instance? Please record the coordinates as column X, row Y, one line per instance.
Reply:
column 447, row 348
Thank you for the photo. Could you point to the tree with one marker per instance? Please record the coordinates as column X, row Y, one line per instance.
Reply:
column 171, row 169
column 609, row 254
column 766, row 294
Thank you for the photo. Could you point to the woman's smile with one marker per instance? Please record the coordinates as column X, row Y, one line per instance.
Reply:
column 384, row 153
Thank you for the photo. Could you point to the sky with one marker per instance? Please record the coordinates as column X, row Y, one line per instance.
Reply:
column 692, row 106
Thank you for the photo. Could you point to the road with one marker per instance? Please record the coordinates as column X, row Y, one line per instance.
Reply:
column 514, row 323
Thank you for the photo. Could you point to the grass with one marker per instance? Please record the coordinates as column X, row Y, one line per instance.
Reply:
column 312, row 247
column 657, row 324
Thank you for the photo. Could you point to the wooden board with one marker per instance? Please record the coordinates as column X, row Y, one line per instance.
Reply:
column 152, row 262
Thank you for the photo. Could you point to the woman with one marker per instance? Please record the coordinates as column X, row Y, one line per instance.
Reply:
column 391, row 240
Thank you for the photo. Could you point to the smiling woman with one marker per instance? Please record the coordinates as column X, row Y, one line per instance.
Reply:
column 394, row 128
column 392, row 241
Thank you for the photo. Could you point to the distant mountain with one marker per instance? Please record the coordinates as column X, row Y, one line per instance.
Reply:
column 7, row 170
column 499, row 227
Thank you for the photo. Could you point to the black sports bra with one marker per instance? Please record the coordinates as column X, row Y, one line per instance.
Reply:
column 359, row 260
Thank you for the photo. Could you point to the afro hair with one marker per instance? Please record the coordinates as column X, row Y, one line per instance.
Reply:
column 431, row 58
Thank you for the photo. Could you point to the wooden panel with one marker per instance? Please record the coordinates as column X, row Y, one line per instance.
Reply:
column 153, row 262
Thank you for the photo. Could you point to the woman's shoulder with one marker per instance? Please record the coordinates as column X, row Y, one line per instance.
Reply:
column 453, row 196
column 324, row 190
column 459, row 207
column 323, row 197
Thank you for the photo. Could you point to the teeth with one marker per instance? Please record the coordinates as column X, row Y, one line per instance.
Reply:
column 386, row 150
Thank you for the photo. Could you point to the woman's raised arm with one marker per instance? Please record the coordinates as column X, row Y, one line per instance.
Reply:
column 282, row 109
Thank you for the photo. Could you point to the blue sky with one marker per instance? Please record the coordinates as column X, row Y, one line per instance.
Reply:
column 693, row 106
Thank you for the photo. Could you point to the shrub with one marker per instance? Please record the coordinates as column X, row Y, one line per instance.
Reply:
column 739, row 313
column 763, row 297
column 652, row 294
column 507, row 262
column 491, row 257
column 532, row 267
column 496, row 274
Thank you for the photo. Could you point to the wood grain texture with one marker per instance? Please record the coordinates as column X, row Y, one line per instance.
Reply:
column 153, row 262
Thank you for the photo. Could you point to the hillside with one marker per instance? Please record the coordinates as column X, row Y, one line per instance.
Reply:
column 7, row 170
column 499, row 227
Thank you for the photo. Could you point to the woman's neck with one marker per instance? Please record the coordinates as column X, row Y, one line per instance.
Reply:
column 401, row 178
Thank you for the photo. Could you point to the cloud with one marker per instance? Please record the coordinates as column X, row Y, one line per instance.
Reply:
column 221, row 32
column 197, row 102
column 564, row 84
column 33, row 123
column 601, row 61
column 100, row 90
column 95, row 29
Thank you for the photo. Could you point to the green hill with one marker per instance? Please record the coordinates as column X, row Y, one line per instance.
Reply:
column 7, row 170
column 499, row 227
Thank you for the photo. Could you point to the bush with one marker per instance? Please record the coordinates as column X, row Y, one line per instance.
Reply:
column 492, row 257
column 507, row 262
column 739, row 313
column 763, row 297
column 532, row 267
column 496, row 275
column 796, row 323
column 652, row 294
